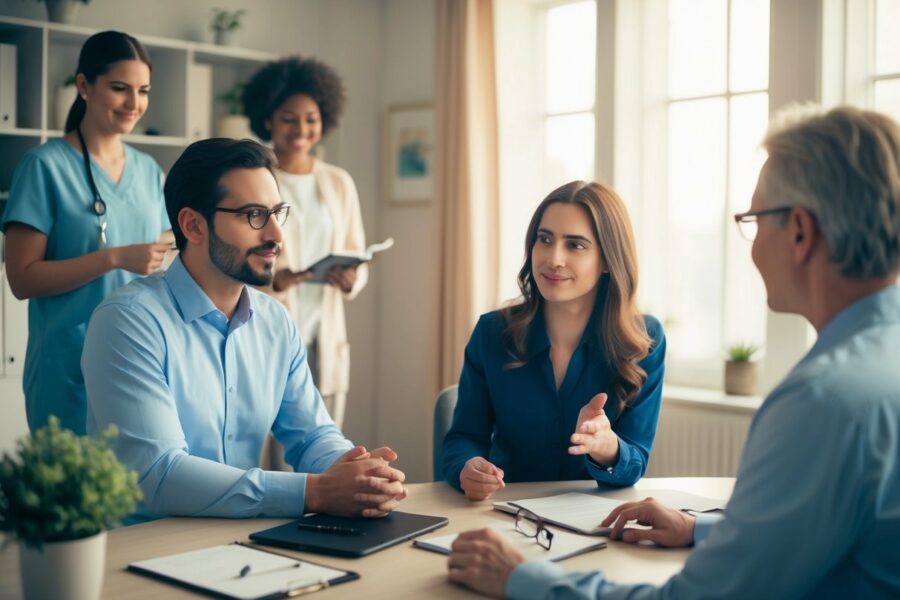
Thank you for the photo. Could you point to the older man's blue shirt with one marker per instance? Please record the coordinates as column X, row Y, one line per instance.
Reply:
column 194, row 395
column 816, row 508
column 518, row 419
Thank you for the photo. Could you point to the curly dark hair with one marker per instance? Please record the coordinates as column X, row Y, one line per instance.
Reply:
column 279, row 80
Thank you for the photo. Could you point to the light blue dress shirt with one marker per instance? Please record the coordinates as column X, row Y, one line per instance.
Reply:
column 50, row 193
column 194, row 395
column 816, row 508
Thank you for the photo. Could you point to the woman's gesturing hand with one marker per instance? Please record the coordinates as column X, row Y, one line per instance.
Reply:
column 593, row 433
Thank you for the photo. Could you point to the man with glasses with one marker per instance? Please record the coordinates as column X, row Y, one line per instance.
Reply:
column 195, row 367
column 815, row 511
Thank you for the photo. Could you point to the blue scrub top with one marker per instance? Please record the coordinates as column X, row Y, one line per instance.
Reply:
column 50, row 193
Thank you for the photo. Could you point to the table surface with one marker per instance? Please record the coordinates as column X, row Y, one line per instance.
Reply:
column 400, row 571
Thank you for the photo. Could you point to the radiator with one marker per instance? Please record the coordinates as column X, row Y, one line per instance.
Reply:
column 700, row 438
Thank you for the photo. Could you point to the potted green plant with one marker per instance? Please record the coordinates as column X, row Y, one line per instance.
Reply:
column 58, row 495
column 224, row 23
column 741, row 370
column 63, row 11
column 234, row 124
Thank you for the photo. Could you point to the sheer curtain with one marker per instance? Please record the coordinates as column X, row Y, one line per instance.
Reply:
column 466, row 181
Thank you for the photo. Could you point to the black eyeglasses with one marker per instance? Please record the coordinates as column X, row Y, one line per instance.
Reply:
column 257, row 216
column 531, row 525
column 747, row 222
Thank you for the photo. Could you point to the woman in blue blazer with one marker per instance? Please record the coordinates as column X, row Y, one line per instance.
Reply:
column 566, row 383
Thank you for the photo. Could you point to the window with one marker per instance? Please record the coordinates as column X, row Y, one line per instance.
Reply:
column 699, row 169
column 673, row 115
column 871, row 63
column 886, row 78
column 546, row 96
column 569, row 82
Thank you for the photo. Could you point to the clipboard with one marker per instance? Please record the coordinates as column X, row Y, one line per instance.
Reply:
column 241, row 571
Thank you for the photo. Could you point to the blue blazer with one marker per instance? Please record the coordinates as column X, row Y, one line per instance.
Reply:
column 518, row 420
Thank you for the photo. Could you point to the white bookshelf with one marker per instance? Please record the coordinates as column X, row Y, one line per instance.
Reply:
column 46, row 54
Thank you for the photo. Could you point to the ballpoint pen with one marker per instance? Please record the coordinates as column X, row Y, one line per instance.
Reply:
column 338, row 529
column 246, row 571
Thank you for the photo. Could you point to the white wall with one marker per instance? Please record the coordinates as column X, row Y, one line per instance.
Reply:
column 352, row 44
column 384, row 50
column 405, row 276
column 275, row 25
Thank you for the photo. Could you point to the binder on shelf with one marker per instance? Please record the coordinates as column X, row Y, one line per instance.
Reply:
column 8, row 54
column 200, row 101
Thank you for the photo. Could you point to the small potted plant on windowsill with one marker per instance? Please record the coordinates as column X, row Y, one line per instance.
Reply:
column 63, row 11
column 741, row 370
column 58, row 495
column 224, row 23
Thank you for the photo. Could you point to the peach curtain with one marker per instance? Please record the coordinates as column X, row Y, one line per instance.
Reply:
column 466, row 181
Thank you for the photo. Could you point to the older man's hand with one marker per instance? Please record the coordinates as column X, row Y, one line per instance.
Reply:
column 483, row 560
column 668, row 527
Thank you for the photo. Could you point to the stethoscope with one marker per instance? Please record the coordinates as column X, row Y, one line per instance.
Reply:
column 99, row 206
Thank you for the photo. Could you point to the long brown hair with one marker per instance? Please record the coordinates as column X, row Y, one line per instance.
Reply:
column 620, row 331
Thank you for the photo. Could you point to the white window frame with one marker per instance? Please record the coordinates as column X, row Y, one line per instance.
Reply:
column 848, row 51
column 630, row 106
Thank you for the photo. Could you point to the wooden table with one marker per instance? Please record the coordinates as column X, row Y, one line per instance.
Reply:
column 398, row 572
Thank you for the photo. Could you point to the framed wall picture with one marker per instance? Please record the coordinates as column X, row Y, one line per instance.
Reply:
column 409, row 153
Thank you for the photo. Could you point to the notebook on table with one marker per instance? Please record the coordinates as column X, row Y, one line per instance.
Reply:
column 575, row 511
column 582, row 513
column 340, row 536
column 564, row 545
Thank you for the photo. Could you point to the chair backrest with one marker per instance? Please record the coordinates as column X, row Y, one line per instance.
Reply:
column 443, row 417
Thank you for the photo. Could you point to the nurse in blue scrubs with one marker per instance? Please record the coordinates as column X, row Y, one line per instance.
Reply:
column 85, row 216
column 565, row 383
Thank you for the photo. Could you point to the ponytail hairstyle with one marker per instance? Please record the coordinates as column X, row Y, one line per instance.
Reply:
column 98, row 54
column 621, row 331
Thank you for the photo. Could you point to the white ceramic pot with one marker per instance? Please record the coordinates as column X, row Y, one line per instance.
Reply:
column 70, row 570
column 62, row 11
column 65, row 96
column 234, row 126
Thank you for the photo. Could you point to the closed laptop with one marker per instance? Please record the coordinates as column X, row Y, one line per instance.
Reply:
column 340, row 536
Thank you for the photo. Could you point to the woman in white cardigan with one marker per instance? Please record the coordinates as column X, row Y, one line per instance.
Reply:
column 294, row 102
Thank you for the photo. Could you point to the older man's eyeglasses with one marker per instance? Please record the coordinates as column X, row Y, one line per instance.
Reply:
column 257, row 216
column 531, row 525
column 747, row 222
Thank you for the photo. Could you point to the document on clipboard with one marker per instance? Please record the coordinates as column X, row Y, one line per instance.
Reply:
column 242, row 572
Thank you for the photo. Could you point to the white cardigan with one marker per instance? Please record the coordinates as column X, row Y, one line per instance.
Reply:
column 338, row 192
